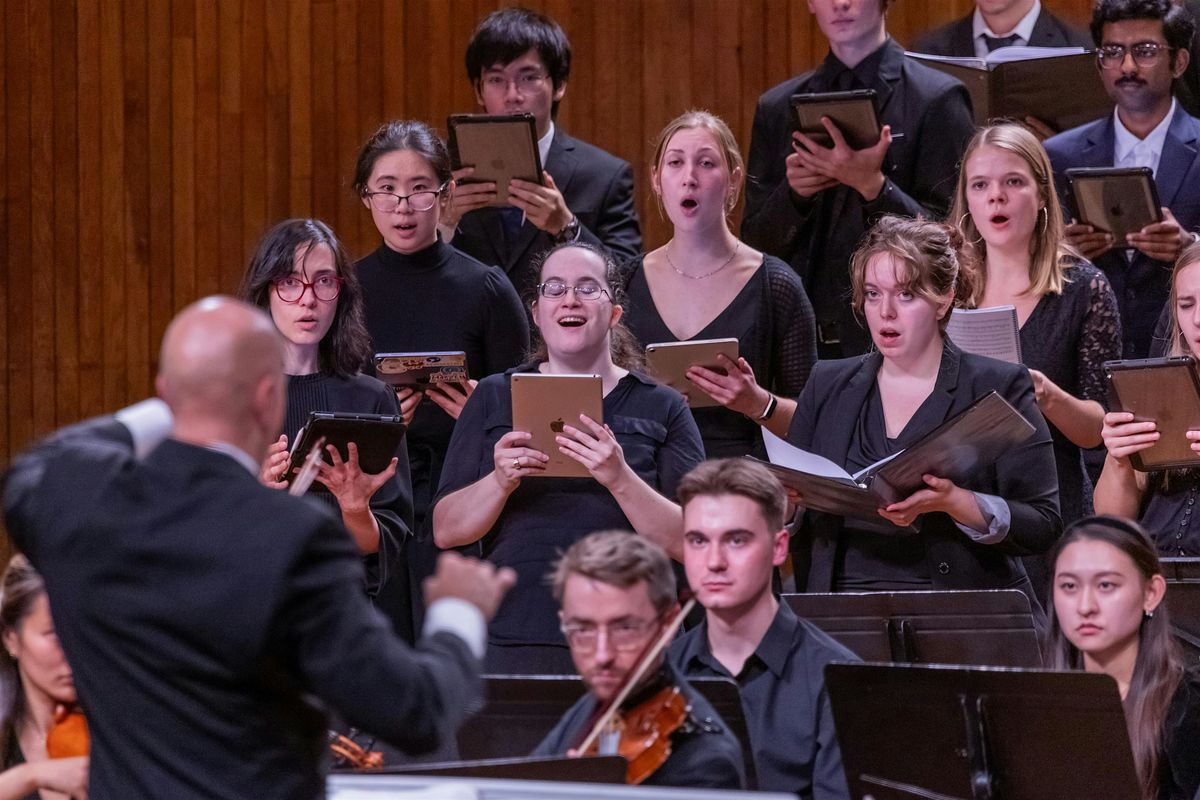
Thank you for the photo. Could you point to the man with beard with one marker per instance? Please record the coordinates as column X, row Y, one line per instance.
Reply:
column 1142, row 46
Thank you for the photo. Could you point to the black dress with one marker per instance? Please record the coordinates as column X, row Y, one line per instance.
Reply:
column 773, row 322
column 391, row 505
column 545, row 516
column 1068, row 337
column 1170, row 514
column 1179, row 762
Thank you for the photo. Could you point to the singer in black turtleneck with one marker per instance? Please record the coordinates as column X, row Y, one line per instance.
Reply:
column 422, row 295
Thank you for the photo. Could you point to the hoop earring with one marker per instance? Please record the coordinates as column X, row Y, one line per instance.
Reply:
column 962, row 227
column 1045, row 219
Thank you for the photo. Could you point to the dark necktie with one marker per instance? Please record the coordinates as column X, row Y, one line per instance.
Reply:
column 845, row 81
column 510, row 221
column 995, row 42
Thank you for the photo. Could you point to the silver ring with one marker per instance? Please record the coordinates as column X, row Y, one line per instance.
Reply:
column 516, row 463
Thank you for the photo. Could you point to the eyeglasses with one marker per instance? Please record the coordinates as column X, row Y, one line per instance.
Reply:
column 325, row 287
column 624, row 635
column 387, row 202
column 1145, row 54
column 556, row 290
column 525, row 82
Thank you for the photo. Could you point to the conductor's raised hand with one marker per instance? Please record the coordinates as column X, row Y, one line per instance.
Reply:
column 1123, row 436
column 451, row 397
column 478, row 582
column 513, row 459
column 409, row 398
column 861, row 170
column 352, row 487
column 274, row 467
column 596, row 447
column 737, row 389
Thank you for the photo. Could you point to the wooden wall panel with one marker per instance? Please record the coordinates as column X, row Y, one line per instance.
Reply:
column 145, row 145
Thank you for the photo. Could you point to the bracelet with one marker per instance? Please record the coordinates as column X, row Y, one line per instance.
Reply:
column 769, row 410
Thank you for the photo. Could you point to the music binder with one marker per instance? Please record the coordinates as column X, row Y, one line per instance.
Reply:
column 991, row 332
column 1060, row 86
column 955, row 450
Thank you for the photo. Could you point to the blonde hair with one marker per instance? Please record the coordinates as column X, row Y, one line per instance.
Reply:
column 1188, row 257
column 726, row 145
column 1047, row 270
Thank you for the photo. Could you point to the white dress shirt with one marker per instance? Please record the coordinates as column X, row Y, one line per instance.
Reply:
column 1023, row 30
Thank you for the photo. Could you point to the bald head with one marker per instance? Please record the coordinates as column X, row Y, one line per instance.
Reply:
column 221, row 372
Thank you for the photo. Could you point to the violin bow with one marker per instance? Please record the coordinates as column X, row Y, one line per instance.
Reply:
column 637, row 674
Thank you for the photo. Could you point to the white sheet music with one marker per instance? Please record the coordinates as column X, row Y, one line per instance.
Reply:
column 788, row 455
column 991, row 332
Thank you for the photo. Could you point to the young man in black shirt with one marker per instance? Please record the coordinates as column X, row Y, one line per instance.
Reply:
column 733, row 517
column 810, row 205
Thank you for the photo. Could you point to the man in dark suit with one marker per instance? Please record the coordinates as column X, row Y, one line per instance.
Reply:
column 202, row 612
column 810, row 205
column 518, row 61
column 1001, row 23
column 617, row 595
column 1142, row 48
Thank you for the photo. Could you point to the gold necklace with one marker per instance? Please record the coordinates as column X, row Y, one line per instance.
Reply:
column 678, row 271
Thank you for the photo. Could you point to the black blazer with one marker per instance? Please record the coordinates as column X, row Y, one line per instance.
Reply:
column 1141, row 284
column 598, row 188
column 202, row 612
column 956, row 39
column 930, row 115
column 1025, row 477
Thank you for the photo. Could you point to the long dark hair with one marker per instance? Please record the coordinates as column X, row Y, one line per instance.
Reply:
column 347, row 346
column 1158, row 668
column 626, row 351
column 20, row 589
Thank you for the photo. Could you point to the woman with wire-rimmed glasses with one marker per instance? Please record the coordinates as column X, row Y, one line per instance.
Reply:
column 302, row 277
column 422, row 295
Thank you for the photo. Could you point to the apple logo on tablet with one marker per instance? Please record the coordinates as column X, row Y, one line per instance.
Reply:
column 557, row 425
column 498, row 164
column 1116, row 211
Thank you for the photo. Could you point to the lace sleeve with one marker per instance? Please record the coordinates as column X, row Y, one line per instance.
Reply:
column 794, row 344
column 1100, row 339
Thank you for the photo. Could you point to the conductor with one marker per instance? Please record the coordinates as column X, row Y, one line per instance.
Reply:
column 203, row 613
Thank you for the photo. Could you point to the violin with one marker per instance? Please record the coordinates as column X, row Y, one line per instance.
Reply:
column 348, row 753
column 68, row 736
column 644, row 730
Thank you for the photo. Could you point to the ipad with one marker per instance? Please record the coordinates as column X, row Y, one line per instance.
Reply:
column 1167, row 391
column 669, row 362
column 852, row 112
column 419, row 370
column 499, row 147
column 543, row 404
column 377, row 437
column 1117, row 200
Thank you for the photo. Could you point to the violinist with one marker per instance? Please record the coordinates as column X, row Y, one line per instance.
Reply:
column 733, row 538
column 617, row 595
column 36, row 681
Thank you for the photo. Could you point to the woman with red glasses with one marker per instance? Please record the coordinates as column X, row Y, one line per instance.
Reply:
column 302, row 276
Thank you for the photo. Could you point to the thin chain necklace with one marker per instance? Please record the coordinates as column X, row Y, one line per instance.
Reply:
column 678, row 271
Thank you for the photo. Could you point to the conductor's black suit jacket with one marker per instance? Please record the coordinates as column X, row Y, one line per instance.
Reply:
column 1025, row 478
column 597, row 187
column 930, row 116
column 202, row 611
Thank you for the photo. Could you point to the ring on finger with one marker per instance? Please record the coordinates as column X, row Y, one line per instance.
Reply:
column 517, row 463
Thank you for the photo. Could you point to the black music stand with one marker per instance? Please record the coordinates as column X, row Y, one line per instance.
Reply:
column 1183, row 601
column 954, row 733
column 987, row 627
column 593, row 769
column 519, row 710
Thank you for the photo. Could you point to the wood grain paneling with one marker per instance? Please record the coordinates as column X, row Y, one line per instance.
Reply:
column 145, row 145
